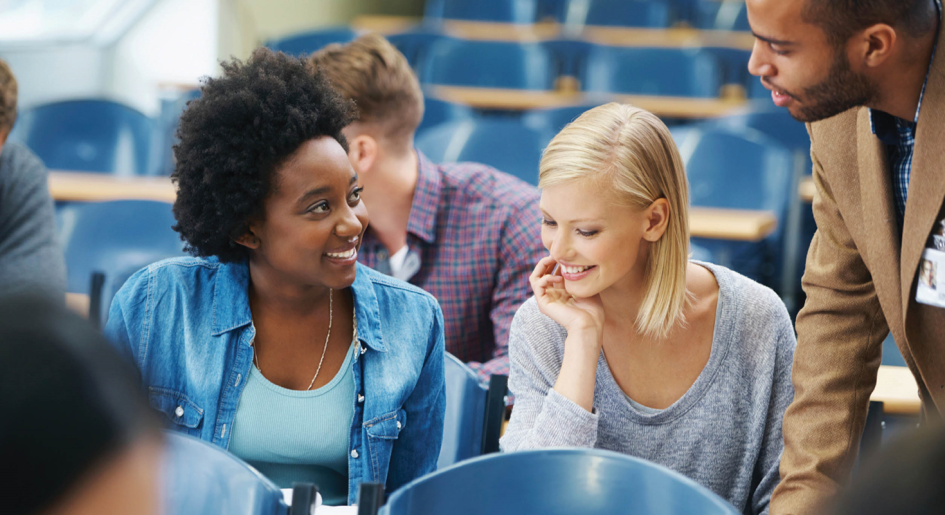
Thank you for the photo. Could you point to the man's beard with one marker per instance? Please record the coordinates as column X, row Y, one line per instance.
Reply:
column 842, row 90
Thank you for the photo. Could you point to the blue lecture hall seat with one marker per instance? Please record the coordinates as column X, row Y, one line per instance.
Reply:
column 89, row 136
column 722, row 15
column 740, row 169
column 551, row 121
column 113, row 238
column 200, row 477
column 305, row 43
column 652, row 71
column 437, row 111
column 618, row 13
column 505, row 11
column 488, row 64
column 474, row 414
column 502, row 143
column 553, row 482
column 413, row 43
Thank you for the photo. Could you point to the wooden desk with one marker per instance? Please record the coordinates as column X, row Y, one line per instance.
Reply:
column 731, row 224
column 95, row 187
column 806, row 189
column 897, row 389
column 520, row 99
column 675, row 37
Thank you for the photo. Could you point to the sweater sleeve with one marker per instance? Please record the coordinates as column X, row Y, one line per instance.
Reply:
column 30, row 257
column 541, row 417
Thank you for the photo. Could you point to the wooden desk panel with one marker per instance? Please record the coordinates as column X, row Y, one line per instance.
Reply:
column 94, row 187
column 520, row 100
column 897, row 389
column 675, row 37
column 731, row 224
column 726, row 224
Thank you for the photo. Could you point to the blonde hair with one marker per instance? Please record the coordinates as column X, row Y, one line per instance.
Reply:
column 373, row 73
column 632, row 152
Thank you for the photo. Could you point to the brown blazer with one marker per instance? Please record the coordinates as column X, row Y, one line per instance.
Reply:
column 860, row 282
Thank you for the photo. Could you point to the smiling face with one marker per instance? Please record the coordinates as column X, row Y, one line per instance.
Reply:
column 313, row 219
column 807, row 74
column 597, row 241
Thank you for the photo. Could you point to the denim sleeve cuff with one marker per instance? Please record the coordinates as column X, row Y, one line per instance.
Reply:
column 562, row 423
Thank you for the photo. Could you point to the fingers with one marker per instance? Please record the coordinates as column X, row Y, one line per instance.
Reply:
column 542, row 268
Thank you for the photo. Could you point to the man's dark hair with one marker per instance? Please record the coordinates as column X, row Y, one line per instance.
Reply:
column 8, row 94
column 70, row 403
column 841, row 19
column 244, row 126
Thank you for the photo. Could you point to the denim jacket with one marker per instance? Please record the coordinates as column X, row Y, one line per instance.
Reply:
column 186, row 324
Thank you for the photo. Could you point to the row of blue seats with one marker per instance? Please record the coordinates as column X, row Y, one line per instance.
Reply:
column 438, row 59
column 704, row 14
column 203, row 478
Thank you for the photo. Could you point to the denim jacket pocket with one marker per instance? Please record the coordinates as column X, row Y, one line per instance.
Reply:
column 382, row 432
column 184, row 415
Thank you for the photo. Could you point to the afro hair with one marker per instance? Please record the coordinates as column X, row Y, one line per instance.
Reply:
column 233, row 139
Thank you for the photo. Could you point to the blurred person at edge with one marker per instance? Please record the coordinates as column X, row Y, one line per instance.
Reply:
column 30, row 257
column 868, row 78
column 76, row 434
column 434, row 223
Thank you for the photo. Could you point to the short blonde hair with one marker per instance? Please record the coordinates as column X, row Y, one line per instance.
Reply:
column 8, row 94
column 373, row 73
column 632, row 152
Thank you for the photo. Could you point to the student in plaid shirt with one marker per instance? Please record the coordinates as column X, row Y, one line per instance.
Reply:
column 465, row 232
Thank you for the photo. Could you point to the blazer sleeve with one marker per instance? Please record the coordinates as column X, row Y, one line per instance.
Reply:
column 839, row 345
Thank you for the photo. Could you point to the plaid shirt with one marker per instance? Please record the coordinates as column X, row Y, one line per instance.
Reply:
column 477, row 233
column 899, row 137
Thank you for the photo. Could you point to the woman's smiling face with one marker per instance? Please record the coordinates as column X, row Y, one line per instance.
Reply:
column 313, row 219
column 597, row 241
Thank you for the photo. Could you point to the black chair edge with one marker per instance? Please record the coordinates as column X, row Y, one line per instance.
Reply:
column 495, row 413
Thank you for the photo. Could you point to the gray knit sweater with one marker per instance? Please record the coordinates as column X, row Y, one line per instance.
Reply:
column 725, row 432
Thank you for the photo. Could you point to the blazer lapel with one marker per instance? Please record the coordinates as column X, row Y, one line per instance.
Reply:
column 878, row 212
column 927, row 178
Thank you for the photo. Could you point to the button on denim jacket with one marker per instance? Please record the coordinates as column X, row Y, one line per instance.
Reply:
column 187, row 326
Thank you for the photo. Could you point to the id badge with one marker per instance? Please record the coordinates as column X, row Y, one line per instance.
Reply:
column 931, row 287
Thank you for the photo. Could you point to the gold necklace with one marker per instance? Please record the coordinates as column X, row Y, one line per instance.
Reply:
column 324, row 350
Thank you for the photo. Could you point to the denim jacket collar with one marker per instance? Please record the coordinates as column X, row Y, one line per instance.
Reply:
column 231, row 304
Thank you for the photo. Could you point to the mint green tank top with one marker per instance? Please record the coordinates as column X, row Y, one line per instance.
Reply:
column 292, row 436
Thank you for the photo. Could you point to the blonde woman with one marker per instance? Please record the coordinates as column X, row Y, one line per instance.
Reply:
column 631, row 347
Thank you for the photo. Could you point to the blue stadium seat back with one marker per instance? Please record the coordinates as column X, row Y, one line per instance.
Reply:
column 168, row 122
column 757, row 90
column 619, row 13
column 551, row 121
column 414, row 44
column 200, row 477
column 740, row 169
column 437, row 111
column 114, row 236
column 489, row 64
column 465, row 414
column 700, row 253
column 90, row 136
column 653, row 71
column 503, row 11
column 553, row 482
column 734, row 62
column 504, row 144
column 775, row 122
column 731, row 15
column 305, row 43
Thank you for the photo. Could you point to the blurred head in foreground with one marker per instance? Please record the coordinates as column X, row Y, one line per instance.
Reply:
column 75, row 436
column 904, row 478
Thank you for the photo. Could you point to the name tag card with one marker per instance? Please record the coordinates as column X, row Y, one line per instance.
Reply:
column 931, row 287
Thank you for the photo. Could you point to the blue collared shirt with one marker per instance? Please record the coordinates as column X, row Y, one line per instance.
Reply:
column 186, row 325
column 899, row 137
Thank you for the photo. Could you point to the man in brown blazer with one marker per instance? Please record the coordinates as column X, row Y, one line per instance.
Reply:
column 866, row 77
